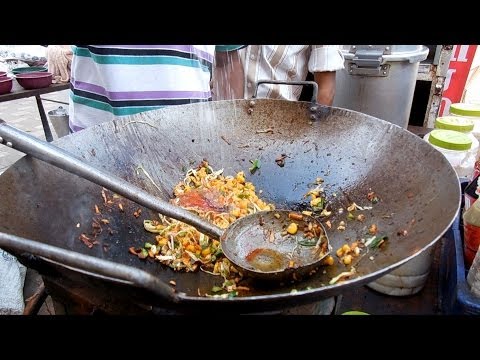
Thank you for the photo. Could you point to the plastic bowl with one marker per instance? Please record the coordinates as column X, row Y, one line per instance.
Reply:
column 5, row 85
column 28, row 69
column 34, row 80
column 354, row 312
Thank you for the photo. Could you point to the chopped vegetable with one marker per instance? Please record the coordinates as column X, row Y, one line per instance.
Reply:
column 372, row 230
column 307, row 242
column 372, row 197
column 281, row 160
column 295, row 216
column 325, row 213
column 352, row 207
column 361, row 217
column 376, row 241
column 143, row 254
column 317, row 203
column 342, row 275
column 255, row 166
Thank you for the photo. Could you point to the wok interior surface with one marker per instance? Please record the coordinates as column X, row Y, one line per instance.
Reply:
column 354, row 153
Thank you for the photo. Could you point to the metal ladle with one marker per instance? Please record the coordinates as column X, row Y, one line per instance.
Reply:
column 257, row 243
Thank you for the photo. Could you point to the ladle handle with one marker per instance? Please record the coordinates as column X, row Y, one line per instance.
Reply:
column 93, row 265
column 60, row 158
column 281, row 82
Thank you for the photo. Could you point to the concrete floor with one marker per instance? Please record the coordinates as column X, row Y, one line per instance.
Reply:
column 23, row 114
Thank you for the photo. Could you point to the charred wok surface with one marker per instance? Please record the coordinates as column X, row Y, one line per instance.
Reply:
column 353, row 152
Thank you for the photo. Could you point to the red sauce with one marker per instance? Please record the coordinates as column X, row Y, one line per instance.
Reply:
column 204, row 199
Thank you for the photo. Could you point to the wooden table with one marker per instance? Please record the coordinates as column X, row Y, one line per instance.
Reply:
column 36, row 93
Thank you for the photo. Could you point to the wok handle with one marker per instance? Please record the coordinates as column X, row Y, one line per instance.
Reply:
column 90, row 264
column 282, row 82
column 60, row 158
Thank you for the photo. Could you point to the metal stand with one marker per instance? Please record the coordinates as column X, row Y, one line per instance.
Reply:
column 36, row 93
column 43, row 117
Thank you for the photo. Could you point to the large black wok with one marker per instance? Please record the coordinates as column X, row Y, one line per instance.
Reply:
column 354, row 153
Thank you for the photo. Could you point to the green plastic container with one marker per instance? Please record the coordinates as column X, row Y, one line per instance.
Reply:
column 450, row 140
column 468, row 111
column 455, row 123
column 460, row 149
column 465, row 109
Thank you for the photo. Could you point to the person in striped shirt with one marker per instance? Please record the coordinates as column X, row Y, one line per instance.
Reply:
column 280, row 62
column 111, row 81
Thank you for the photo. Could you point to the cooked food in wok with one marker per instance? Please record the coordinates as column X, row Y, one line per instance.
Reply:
column 213, row 196
column 222, row 200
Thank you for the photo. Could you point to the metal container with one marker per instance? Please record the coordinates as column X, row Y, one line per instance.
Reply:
column 379, row 80
column 60, row 121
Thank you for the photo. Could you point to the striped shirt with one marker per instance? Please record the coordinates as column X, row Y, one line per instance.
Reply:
column 286, row 62
column 111, row 81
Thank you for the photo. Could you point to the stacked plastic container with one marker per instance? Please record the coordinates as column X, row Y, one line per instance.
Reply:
column 453, row 137
column 465, row 111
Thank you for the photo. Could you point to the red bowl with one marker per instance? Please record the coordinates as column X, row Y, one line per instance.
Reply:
column 5, row 85
column 34, row 80
column 3, row 74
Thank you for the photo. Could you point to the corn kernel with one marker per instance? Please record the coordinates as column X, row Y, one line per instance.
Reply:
column 346, row 248
column 235, row 212
column 292, row 228
column 329, row 260
column 347, row 260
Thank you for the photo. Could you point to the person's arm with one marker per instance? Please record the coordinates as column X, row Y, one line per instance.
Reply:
column 326, row 87
column 228, row 76
column 324, row 61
